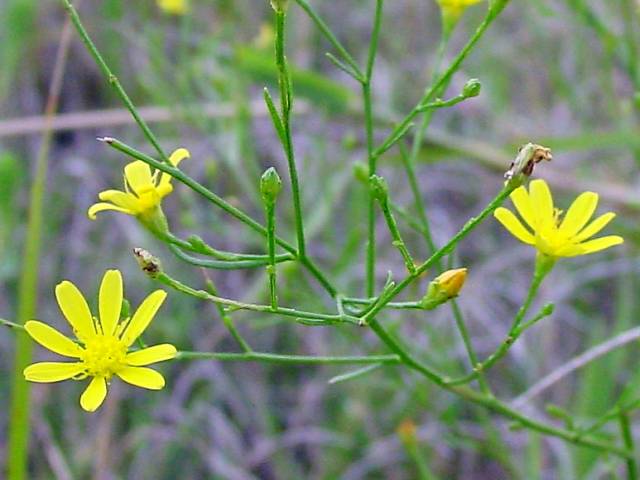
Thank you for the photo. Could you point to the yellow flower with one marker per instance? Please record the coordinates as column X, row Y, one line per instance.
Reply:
column 144, row 191
column 543, row 229
column 173, row 7
column 102, row 346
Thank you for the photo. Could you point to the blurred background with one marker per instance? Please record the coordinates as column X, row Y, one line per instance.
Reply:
column 564, row 74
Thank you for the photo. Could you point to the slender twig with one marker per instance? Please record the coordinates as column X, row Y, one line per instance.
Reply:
column 224, row 315
column 381, row 193
column 627, row 437
column 372, row 158
column 502, row 350
column 113, row 80
column 326, row 31
column 296, row 359
column 444, row 77
column 286, row 103
column 312, row 317
column 222, row 264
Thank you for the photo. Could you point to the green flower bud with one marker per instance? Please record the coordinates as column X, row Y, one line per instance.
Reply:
column 379, row 187
column 472, row 88
column 361, row 172
column 270, row 185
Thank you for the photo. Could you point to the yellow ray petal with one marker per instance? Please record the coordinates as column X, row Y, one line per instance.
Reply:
column 94, row 394
column 120, row 199
column 47, row 372
column 147, row 356
column 175, row 158
column 513, row 225
column 52, row 339
column 579, row 213
column 110, row 301
column 522, row 202
column 75, row 309
column 143, row 316
column 100, row 207
column 594, row 227
column 142, row 377
column 138, row 176
column 541, row 200
column 600, row 244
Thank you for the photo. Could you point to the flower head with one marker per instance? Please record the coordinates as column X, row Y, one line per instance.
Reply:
column 102, row 346
column 173, row 7
column 143, row 193
column 543, row 228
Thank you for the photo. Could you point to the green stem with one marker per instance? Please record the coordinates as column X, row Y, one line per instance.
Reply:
column 221, row 203
column 502, row 350
column 395, row 305
column 326, row 31
column 226, row 318
column 203, row 249
column 466, row 230
column 271, row 244
column 466, row 338
column 491, row 402
column 319, row 318
column 445, row 77
column 398, row 242
column 296, row 359
column 372, row 157
column 424, row 473
column 627, row 437
column 286, row 103
column 113, row 80
column 224, row 265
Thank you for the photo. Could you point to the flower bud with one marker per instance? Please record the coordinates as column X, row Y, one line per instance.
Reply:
column 471, row 88
column 270, row 186
column 443, row 288
column 361, row 172
column 280, row 5
column 379, row 187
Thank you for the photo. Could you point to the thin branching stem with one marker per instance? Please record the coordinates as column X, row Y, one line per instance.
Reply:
column 295, row 359
column 221, row 203
column 372, row 158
